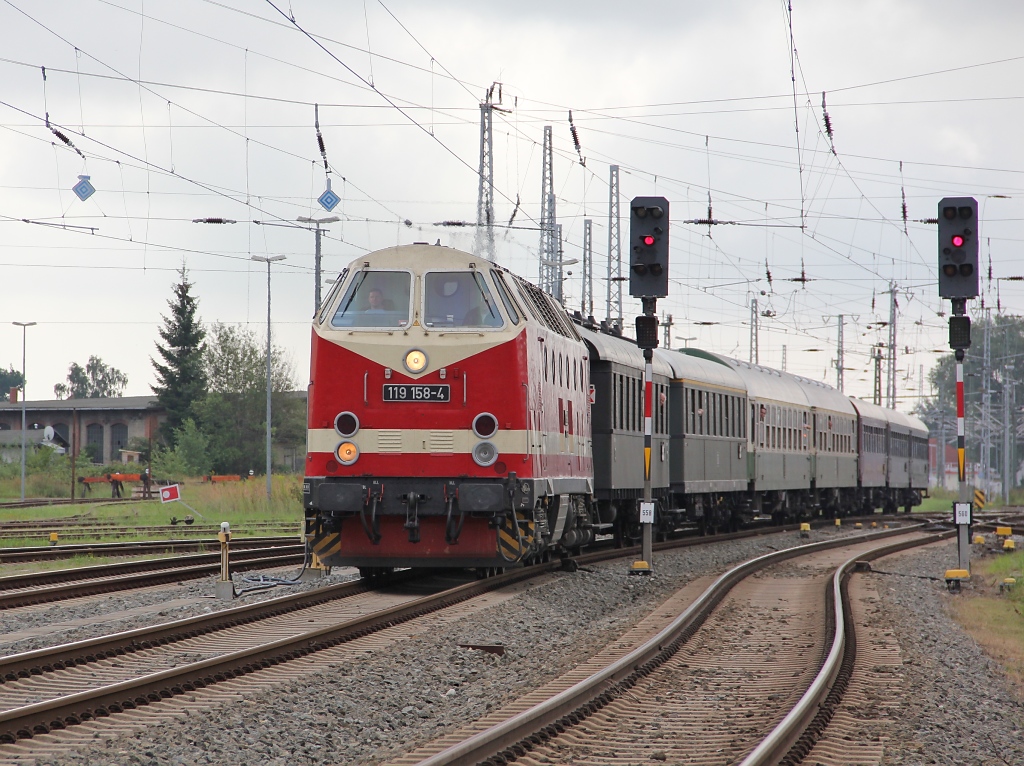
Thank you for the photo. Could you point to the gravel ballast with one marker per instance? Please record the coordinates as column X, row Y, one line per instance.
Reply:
column 386, row 703
column 958, row 706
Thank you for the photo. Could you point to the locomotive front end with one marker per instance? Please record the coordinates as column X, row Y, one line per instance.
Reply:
column 417, row 418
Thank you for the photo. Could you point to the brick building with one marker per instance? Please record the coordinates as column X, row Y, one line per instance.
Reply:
column 102, row 427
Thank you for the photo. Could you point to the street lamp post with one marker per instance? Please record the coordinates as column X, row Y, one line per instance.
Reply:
column 317, row 222
column 268, row 260
column 24, row 328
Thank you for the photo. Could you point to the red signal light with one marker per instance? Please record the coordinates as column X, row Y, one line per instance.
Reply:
column 648, row 240
column 958, row 240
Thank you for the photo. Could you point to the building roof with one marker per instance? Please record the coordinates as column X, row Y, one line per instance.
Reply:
column 66, row 405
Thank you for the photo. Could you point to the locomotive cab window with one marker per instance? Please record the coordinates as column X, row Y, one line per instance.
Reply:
column 458, row 299
column 506, row 298
column 375, row 299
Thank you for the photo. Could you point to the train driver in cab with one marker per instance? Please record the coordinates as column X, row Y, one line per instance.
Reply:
column 375, row 301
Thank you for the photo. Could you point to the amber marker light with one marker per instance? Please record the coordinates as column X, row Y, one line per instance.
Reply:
column 347, row 453
column 415, row 361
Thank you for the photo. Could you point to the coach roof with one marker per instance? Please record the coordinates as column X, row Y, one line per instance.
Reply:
column 611, row 348
column 695, row 366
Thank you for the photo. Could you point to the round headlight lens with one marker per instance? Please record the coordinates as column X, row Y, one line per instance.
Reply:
column 347, row 453
column 485, row 454
column 485, row 425
column 346, row 423
column 415, row 361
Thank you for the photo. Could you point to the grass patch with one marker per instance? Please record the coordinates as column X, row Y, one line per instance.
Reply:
column 933, row 504
column 994, row 620
column 243, row 504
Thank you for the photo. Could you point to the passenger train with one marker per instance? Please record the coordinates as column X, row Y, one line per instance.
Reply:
column 459, row 417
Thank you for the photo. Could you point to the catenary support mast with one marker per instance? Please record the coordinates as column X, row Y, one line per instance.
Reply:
column 613, row 307
column 548, row 252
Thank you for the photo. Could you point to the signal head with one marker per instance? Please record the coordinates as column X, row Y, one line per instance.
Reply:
column 649, row 258
column 958, row 248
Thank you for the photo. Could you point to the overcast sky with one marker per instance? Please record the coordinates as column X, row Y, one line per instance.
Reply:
column 197, row 109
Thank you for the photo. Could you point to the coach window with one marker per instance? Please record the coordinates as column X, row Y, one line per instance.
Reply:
column 621, row 420
column 627, row 415
column 631, row 405
column 634, row 408
column 379, row 299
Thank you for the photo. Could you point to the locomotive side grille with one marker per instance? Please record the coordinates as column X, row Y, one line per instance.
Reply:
column 389, row 440
column 442, row 441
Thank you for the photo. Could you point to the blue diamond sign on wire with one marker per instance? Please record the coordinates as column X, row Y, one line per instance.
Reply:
column 329, row 199
column 83, row 189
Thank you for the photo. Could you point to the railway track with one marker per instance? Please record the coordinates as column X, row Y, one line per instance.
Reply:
column 177, row 663
column 35, row 530
column 736, row 674
column 140, row 548
column 58, row 585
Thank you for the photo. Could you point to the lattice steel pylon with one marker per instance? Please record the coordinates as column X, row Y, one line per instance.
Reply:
column 840, row 356
column 550, row 281
column 891, row 379
column 484, row 241
column 755, row 352
column 588, row 269
column 614, row 252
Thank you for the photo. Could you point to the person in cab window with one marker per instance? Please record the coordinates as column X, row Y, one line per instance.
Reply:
column 375, row 301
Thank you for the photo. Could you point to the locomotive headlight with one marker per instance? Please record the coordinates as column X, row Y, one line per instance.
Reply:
column 485, row 425
column 346, row 424
column 415, row 361
column 485, row 454
column 347, row 453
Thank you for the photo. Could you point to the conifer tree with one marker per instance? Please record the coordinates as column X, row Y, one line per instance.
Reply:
column 181, row 376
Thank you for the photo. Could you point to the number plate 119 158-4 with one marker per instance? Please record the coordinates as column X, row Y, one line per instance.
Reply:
column 416, row 393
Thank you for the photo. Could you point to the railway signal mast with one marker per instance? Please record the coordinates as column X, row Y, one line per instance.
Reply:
column 958, row 281
column 648, row 281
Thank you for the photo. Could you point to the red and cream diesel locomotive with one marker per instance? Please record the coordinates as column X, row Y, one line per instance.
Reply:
column 448, row 417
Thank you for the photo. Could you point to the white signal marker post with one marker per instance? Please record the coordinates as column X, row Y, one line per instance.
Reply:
column 961, row 509
column 647, row 505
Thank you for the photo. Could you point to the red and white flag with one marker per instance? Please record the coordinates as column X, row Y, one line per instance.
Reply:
column 170, row 494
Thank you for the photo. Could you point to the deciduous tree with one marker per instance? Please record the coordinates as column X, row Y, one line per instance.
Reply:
column 96, row 380
column 233, row 413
